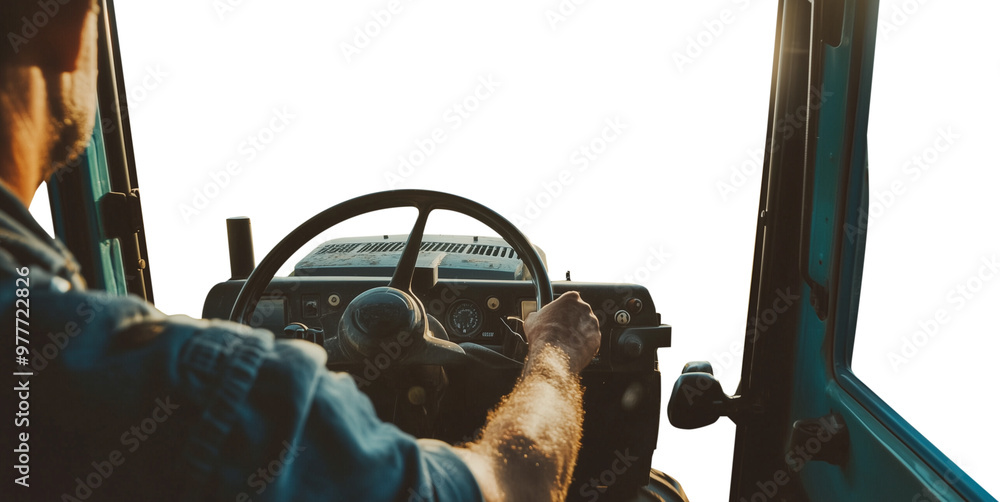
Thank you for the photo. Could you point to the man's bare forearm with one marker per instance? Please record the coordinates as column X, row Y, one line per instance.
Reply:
column 529, row 445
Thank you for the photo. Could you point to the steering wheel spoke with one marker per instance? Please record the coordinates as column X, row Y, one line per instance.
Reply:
column 402, row 278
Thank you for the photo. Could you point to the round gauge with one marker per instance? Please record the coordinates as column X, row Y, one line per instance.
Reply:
column 465, row 318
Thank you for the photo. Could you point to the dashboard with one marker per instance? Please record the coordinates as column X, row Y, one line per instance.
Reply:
column 475, row 292
column 488, row 313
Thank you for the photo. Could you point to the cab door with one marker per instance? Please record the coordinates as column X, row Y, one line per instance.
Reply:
column 807, row 427
column 811, row 429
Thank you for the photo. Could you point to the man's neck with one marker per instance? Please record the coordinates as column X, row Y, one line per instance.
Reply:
column 15, row 178
column 22, row 191
column 24, row 143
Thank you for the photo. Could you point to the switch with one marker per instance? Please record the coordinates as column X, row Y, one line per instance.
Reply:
column 634, row 305
column 622, row 317
column 310, row 306
column 493, row 303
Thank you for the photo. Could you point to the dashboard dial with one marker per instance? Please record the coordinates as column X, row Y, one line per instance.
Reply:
column 465, row 318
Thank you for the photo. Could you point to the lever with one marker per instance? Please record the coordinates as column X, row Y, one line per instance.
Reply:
column 241, row 260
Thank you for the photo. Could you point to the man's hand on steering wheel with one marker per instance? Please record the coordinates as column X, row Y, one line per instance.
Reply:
column 568, row 324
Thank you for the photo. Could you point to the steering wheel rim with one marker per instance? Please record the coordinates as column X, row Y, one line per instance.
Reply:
column 425, row 201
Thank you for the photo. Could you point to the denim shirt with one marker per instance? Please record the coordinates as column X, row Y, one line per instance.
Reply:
column 116, row 401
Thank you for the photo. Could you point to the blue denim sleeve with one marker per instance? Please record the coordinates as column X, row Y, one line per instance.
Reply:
column 304, row 433
column 127, row 403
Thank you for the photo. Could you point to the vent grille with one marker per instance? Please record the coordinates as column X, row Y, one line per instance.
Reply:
column 486, row 250
column 338, row 248
column 444, row 247
column 382, row 247
column 447, row 247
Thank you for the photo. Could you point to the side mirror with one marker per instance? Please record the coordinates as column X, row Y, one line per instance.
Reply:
column 697, row 399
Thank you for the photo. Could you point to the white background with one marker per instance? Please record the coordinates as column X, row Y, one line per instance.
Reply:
column 204, row 76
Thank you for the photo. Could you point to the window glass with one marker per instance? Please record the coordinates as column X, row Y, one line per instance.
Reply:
column 927, row 336
column 625, row 139
column 40, row 209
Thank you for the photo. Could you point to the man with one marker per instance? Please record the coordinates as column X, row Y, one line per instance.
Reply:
column 125, row 403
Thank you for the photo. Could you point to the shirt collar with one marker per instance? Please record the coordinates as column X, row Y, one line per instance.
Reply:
column 35, row 242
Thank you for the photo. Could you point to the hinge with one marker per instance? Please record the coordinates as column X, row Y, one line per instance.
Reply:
column 120, row 216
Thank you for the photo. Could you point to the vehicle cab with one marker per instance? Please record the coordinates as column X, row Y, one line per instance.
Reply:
column 802, row 424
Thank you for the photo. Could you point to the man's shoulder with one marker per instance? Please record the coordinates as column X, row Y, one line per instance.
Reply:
column 24, row 244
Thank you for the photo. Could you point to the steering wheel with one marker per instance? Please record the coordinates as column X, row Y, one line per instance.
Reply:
column 393, row 313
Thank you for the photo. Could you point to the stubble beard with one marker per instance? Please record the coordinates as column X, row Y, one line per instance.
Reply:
column 73, row 109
